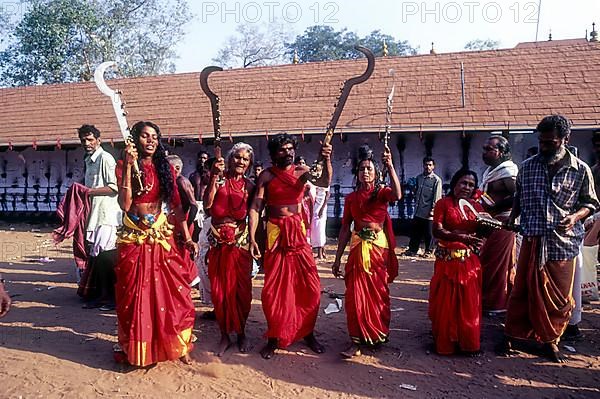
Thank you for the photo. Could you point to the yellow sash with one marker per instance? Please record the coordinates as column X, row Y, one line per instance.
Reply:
column 448, row 254
column 157, row 233
column 366, row 247
column 273, row 233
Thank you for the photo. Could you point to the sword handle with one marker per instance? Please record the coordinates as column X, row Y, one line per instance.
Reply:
column 137, row 174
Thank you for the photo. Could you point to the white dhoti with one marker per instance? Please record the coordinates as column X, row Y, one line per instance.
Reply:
column 203, row 247
column 102, row 238
column 319, row 224
column 577, row 310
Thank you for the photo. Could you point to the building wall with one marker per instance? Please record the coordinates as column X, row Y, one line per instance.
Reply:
column 36, row 180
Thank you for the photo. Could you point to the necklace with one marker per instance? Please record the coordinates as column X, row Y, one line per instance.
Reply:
column 230, row 188
column 241, row 187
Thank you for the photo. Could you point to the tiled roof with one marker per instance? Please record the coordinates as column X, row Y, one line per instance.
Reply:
column 510, row 88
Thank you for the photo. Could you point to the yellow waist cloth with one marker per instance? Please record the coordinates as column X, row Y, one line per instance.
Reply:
column 273, row 233
column 157, row 233
column 449, row 254
column 380, row 240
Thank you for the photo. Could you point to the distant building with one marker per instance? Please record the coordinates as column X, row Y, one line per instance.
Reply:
column 506, row 91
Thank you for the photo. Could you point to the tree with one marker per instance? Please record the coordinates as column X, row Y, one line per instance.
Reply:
column 63, row 40
column 5, row 21
column 254, row 45
column 479, row 44
column 323, row 43
column 375, row 39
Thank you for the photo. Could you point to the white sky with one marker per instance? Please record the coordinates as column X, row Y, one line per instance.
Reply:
column 449, row 24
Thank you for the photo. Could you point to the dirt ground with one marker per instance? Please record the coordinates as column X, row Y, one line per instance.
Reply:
column 52, row 348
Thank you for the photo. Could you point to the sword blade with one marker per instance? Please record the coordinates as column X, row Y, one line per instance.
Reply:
column 462, row 204
column 114, row 95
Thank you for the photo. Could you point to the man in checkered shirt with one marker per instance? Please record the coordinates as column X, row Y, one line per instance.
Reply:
column 555, row 193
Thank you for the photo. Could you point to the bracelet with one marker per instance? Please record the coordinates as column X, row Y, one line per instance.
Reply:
column 125, row 187
column 188, row 240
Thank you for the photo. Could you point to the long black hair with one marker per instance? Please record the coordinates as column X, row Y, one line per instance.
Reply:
column 458, row 175
column 159, row 159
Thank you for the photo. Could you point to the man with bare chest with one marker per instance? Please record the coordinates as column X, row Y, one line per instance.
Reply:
column 291, row 293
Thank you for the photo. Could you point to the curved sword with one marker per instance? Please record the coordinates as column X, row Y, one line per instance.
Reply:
column 214, row 105
column 339, row 106
column 388, row 121
column 484, row 219
column 119, row 108
column 345, row 91
column 114, row 95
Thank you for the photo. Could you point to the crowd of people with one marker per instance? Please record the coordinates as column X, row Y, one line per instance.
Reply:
column 150, row 235
column 530, row 277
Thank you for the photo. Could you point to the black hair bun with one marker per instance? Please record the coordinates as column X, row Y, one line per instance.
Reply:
column 365, row 152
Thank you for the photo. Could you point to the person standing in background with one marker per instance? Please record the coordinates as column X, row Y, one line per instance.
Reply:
column 97, row 284
column 429, row 191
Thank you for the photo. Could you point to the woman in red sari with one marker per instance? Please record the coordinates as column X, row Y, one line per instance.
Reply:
column 372, row 262
column 154, row 306
column 455, row 288
column 229, row 262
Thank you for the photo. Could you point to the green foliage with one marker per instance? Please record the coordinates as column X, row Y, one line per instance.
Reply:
column 479, row 44
column 63, row 40
column 374, row 42
column 323, row 43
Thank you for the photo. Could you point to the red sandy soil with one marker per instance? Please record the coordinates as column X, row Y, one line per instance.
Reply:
column 52, row 348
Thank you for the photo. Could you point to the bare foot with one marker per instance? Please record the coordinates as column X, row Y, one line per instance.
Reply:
column 243, row 344
column 186, row 359
column 473, row 354
column 352, row 351
column 504, row 348
column 554, row 353
column 313, row 344
column 223, row 345
column 269, row 350
column 209, row 315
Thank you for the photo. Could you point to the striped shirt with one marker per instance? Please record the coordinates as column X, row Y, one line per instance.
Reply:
column 545, row 203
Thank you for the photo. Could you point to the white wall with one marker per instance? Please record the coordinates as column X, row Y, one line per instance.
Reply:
column 65, row 167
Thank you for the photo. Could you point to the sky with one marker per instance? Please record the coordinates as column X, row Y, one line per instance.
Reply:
column 448, row 24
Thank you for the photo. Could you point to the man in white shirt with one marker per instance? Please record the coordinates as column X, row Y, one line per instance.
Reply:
column 97, row 284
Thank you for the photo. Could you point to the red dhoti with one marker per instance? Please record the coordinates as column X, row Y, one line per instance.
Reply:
column 455, row 301
column 541, row 301
column 229, row 268
column 154, row 306
column 498, row 269
column 292, row 290
column 367, row 292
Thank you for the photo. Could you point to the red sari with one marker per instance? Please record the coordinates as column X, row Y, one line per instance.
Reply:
column 455, row 288
column 229, row 261
column 371, row 266
column 292, row 291
column 154, row 305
